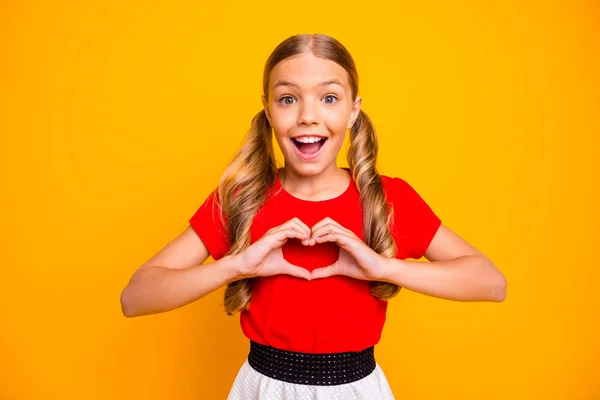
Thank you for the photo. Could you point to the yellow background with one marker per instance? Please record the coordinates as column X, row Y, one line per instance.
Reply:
column 117, row 119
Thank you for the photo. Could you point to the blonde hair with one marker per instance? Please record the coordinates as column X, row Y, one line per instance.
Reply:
column 245, row 183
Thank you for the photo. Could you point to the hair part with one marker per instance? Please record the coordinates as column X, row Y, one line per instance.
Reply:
column 247, row 180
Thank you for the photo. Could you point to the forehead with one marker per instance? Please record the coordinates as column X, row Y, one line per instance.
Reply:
column 307, row 71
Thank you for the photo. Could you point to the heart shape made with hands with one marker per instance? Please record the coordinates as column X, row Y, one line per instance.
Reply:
column 310, row 257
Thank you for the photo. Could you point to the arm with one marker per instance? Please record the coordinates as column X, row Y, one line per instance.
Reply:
column 465, row 278
column 159, row 289
column 457, row 271
column 175, row 277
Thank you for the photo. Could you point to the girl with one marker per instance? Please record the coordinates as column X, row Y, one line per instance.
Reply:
column 311, row 253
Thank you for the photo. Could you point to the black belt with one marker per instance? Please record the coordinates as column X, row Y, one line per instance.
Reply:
column 310, row 368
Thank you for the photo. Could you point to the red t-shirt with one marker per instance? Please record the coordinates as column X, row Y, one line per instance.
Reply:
column 327, row 315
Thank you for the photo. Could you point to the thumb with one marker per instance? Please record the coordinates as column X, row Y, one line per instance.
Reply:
column 294, row 270
column 324, row 272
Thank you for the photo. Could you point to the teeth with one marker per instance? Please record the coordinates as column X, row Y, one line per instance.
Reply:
column 308, row 139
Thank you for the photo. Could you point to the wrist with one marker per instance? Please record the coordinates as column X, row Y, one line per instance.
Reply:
column 234, row 265
column 390, row 267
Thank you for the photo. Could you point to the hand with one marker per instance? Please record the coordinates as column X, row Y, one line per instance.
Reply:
column 265, row 258
column 356, row 259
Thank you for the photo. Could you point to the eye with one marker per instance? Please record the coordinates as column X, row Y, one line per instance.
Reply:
column 285, row 103
column 331, row 97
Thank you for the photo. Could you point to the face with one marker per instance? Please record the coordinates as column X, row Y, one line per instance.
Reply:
column 310, row 108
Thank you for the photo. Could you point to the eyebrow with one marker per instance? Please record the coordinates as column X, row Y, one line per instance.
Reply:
column 326, row 83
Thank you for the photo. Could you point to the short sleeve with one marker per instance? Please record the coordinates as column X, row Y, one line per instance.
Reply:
column 414, row 223
column 207, row 223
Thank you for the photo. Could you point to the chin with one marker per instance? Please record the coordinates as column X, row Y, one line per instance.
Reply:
column 307, row 169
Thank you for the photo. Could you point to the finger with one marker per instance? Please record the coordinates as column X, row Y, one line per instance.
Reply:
column 294, row 222
column 324, row 272
column 292, row 225
column 294, row 270
column 298, row 229
column 322, row 222
column 344, row 241
column 297, row 224
column 301, row 224
column 325, row 230
column 332, row 224
column 283, row 235
column 328, row 220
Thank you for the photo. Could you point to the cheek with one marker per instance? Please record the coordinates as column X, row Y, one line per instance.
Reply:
column 336, row 121
column 335, row 143
column 282, row 120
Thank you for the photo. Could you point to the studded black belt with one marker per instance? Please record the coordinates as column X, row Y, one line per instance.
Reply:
column 310, row 368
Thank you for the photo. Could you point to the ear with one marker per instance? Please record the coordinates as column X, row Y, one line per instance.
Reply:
column 355, row 112
column 266, row 107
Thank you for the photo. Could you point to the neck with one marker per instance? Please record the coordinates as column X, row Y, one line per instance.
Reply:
column 307, row 184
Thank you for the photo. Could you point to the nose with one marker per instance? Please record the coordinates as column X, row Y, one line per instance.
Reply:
column 308, row 114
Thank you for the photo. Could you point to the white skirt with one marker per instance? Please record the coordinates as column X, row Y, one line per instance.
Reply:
column 250, row 384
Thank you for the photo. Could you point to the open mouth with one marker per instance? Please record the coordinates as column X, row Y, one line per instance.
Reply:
column 309, row 147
